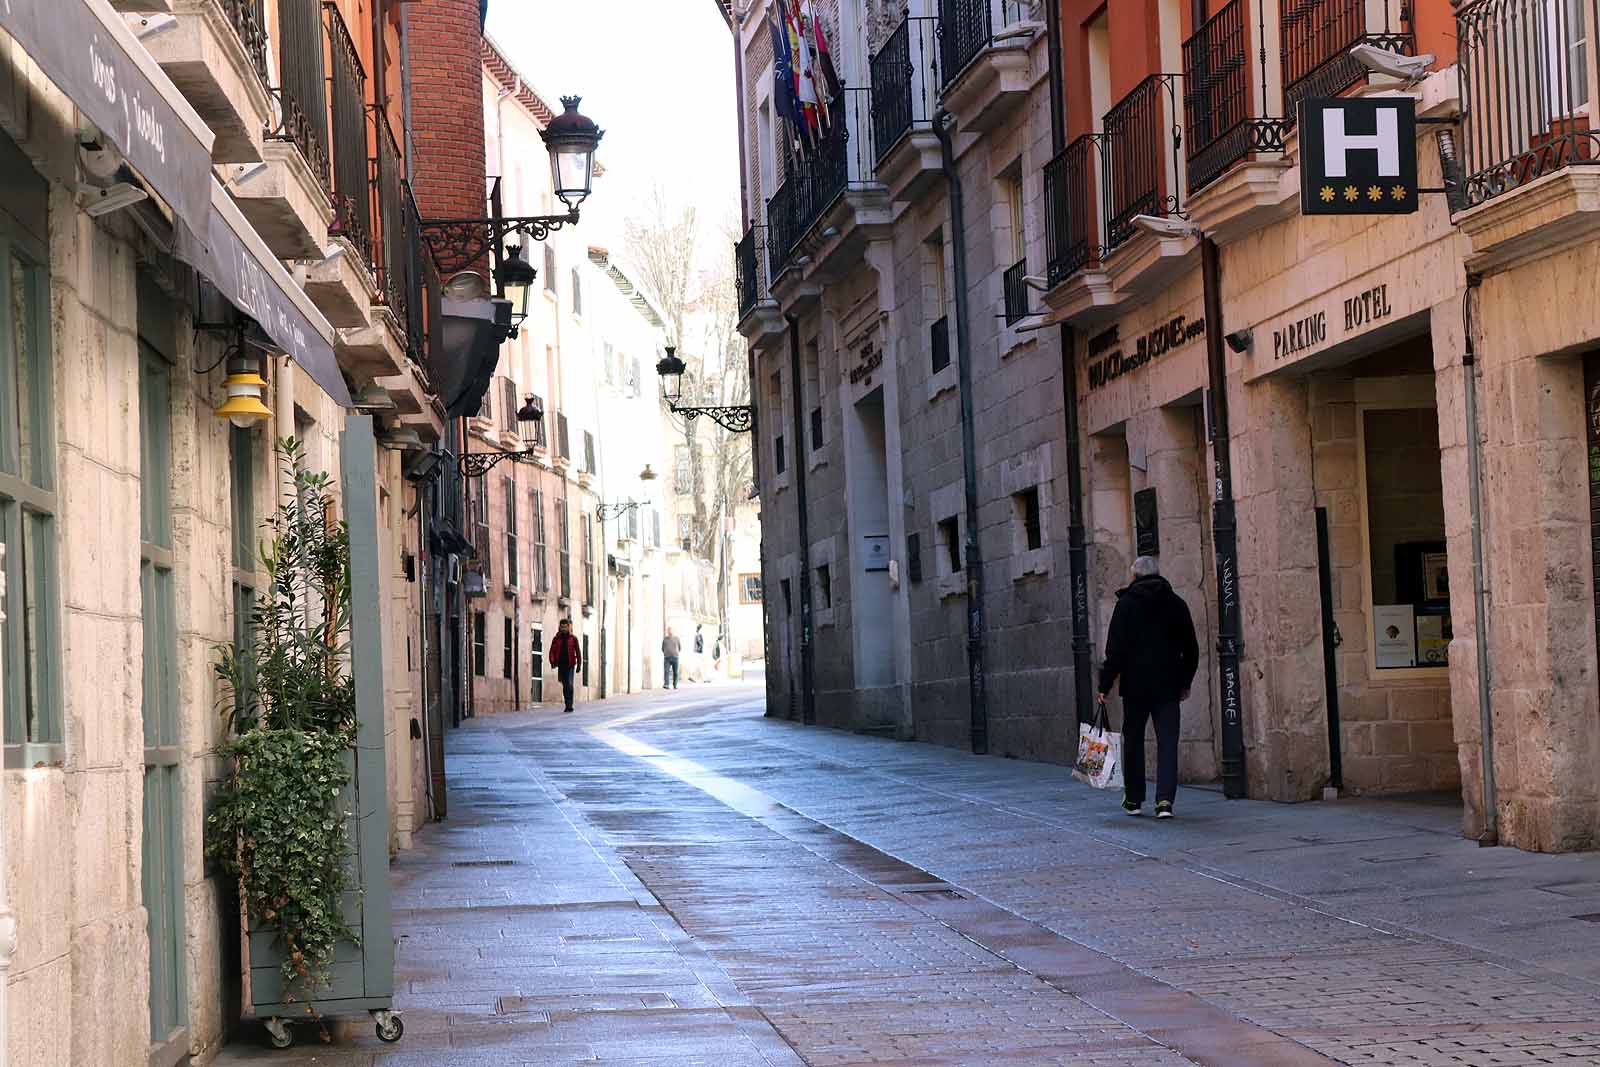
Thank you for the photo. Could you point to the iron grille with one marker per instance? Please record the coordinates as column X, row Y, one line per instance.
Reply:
column 1135, row 143
column 249, row 20
column 1072, row 217
column 747, row 269
column 302, row 96
column 1525, row 68
column 965, row 29
column 1317, row 38
column 1216, row 99
column 396, row 271
column 1015, row 290
column 352, row 186
column 939, row 343
column 905, row 82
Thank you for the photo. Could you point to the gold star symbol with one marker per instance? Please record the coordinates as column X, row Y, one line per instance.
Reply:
column 1374, row 193
column 1351, row 192
column 1327, row 194
column 1398, row 192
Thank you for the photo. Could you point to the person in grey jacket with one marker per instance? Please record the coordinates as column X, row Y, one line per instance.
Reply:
column 1151, row 649
column 670, row 649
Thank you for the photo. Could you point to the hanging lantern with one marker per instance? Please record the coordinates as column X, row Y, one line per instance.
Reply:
column 246, row 388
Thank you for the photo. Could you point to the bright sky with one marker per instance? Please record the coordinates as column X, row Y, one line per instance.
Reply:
column 657, row 76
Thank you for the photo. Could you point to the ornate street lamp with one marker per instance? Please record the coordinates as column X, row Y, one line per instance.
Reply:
column 516, row 276
column 622, row 507
column 530, row 416
column 571, row 140
column 735, row 418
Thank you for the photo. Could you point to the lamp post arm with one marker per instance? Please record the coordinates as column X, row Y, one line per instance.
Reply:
column 457, row 244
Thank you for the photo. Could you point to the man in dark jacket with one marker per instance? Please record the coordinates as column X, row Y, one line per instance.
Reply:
column 1151, row 647
column 566, row 656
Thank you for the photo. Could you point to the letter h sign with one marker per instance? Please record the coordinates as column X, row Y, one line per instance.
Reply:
column 1358, row 157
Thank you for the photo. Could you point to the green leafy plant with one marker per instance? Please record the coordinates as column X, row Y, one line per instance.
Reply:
column 278, row 824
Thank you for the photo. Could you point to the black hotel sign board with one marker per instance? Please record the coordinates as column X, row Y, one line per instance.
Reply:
column 1358, row 157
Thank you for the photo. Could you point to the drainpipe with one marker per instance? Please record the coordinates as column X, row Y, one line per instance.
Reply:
column 1224, row 531
column 1469, row 360
column 736, row 26
column 943, row 123
column 1077, row 551
column 808, row 688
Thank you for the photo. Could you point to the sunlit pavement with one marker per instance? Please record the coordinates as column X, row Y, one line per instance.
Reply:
column 679, row 881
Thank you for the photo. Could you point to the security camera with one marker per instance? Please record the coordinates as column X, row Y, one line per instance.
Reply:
column 1166, row 226
column 1238, row 340
column 1387, row 61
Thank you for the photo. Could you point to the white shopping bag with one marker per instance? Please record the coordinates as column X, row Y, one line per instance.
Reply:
column 1099, row 754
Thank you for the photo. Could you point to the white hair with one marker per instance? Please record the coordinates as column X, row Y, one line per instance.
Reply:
column 1146, row 567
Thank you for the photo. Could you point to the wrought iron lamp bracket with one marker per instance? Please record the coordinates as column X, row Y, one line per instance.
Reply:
column 620, row 508
column 457, row 244
column 477, row 464
column 735, row 418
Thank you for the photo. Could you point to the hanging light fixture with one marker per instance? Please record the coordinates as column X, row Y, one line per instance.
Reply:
column 671, row 369
column 516, row 276
column 571, row 140
column 246, row 387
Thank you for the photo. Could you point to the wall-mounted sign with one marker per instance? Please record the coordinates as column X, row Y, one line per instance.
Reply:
column 1174, row 333
column 1298, row 336
column 1395, row 629
column 875, row 548
column 871, row 360
column 1358, row 157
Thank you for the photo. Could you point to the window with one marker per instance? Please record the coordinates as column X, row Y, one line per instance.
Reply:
column 536, row 659
column 682, row 471
column 28, row 502
column 564, row 540
column 655, row 523
column 509, row 656
column 950, row 538
column 588, row 559
column 1026, row 505
column 788, row 600
column 508, row 405
column 588, row 452
column 914, row 557
column 816, row 428
column 749, row 588
column 611, row 371
column 549, row 268
column 686, row 532
column 1013, row 191
column 779, row 460
column 242, row 466
column 541, row 438
column 478, row 650
column 577, row 293
column 480, row 526
column 563, row 441
column 584, row 670
column 541, row 573
column 633, row 378
column 512, row 552
column 824, row 587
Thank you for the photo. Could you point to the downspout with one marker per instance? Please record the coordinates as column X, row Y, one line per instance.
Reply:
column 1469, row 360
column 976, row 684
column 405, row 83
column 1077, row 550
column 736, row 25
column 808, row 689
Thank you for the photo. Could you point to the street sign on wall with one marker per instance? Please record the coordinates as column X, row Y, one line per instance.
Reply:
column 1358, row 157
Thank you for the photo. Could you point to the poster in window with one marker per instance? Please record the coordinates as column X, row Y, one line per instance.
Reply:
column 1394, row 626
column 1435, row 577
column 1433, row 640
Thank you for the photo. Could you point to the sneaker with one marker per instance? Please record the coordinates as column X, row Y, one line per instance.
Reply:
column 1130, row 808
column 1163, row 809
column 568, row 711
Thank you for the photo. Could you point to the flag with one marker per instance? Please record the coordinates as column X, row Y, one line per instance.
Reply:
column 783, row 100
column 828, row 87
column 805, row 125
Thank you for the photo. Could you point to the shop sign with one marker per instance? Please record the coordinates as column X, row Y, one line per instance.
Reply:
column 1358, row 157
column 1174, row 333
column 871, row 360
column 1360, row 310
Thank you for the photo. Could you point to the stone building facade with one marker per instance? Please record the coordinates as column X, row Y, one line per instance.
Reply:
column 1408, row 395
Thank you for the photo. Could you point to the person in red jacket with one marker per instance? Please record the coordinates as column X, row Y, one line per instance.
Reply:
column 566, row 657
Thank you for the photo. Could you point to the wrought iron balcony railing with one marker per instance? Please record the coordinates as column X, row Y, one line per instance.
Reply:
column 1141, row 137
column 1074, row 204
column 747, row 269
column 811, row 186
column 347, row 87
column 1015, row 290
column 396, row 225
column 249, row 20
column 905, row 82
column 1526, row 75
column 421, row 283
column 1216, row 99
column 1317, row 38
column 302, row 92
column 967, row 27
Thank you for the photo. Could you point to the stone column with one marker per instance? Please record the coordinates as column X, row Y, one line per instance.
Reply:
column 1286, row 732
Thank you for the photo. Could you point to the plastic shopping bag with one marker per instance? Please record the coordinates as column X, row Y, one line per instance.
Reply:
column 1099, row 754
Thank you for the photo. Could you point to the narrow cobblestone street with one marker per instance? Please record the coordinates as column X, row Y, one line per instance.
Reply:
column 682, row 881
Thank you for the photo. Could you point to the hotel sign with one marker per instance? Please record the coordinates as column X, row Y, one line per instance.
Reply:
column 1109, row 366
column 1359, row 310
column 1358, row 157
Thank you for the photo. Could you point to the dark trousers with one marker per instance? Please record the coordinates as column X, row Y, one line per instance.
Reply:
column 566, row 674
column 670, row 666
column 1134, row 716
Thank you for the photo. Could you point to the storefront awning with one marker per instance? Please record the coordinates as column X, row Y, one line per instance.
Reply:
column 228, row 251
column 90, row 54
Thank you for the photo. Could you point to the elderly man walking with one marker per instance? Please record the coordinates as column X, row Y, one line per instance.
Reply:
column 1152, row 649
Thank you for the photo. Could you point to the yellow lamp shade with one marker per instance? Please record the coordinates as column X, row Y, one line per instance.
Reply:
column 243, row 407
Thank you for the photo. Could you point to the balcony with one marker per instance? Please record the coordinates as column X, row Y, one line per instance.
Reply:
column 984, row 64
column 287, row 197
column 1074, row 203
column 216, row 55
column 758, row 314
column 1529, row 152
column 342, row 287
column 1317, row 36
column 905, row 99
column 1142, row 174
column 827, row 203
column 394, row 327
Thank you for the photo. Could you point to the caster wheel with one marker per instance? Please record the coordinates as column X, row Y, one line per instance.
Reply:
column 279, row 1034
column 390, row 1029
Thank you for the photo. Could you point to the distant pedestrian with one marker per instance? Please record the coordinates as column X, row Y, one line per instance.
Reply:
column 699, row 641
column 716, row 656
column 566, row 656
column 1152, row 649
column 670, row 648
